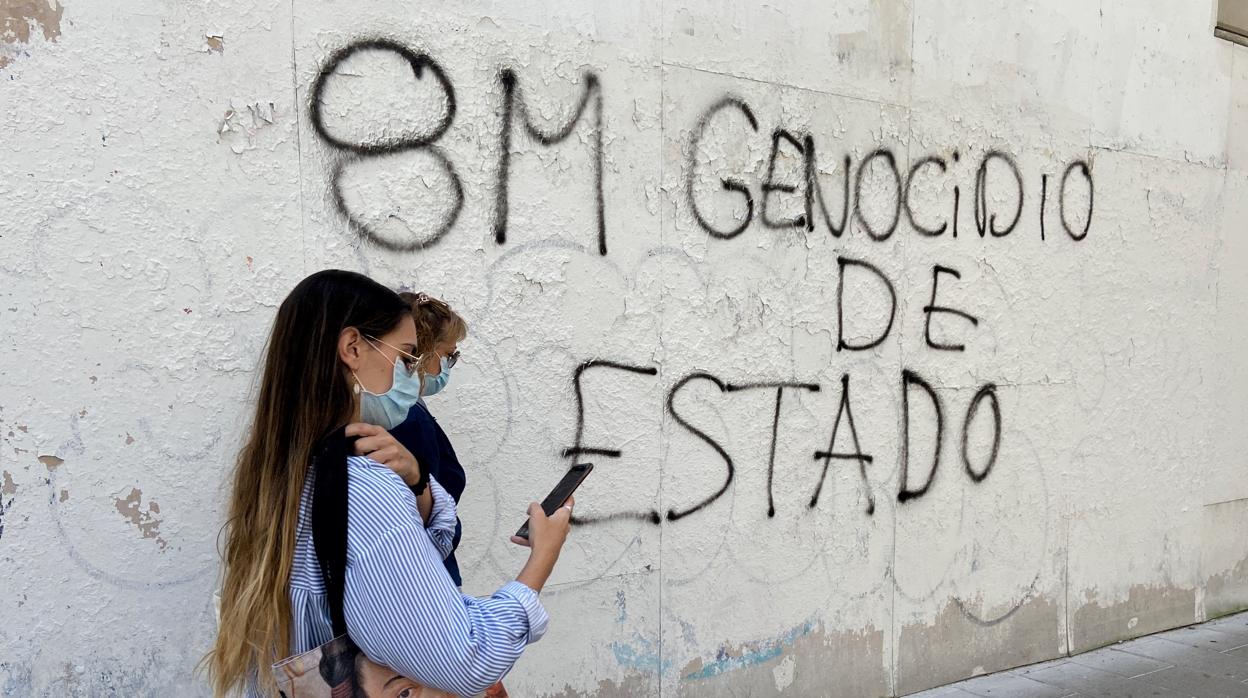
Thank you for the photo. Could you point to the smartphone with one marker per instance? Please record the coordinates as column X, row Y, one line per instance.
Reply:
column 572, row 480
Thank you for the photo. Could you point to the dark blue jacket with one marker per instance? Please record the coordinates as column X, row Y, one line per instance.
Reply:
column 421, row 434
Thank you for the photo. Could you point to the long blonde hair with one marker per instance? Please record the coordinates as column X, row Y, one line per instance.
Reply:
column 304, row 393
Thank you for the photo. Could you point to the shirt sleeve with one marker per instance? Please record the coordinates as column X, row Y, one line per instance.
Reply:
column 443, row 520
column 403, row 611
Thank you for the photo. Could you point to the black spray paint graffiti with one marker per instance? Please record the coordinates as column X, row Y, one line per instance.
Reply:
column 1084, row 170
column 931, row 307
column 353, row 151
column 909, row 381
column 579, row 449
column 988, row 222
column 993, row 167
column 844, row 263
column 775, row 432
column 513, row 103
column 905, row 492
column 986, row 392
column 513, row 107
column 728, row 184
column 812, row 193
column 829, row 455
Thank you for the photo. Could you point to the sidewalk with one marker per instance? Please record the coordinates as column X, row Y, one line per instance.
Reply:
column 1209, row 660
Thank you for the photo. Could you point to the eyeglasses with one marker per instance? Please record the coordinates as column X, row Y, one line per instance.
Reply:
column 452, row 359
column 411, row 364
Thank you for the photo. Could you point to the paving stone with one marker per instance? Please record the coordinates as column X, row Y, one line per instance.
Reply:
column 1189, row 682
column 1209, row 661
column 1205, row 638
column 1238, row 622
column 1011, row 684
column 1115, row 661
column 1025, row 670
column 1206, row 661
column 1094, row 682
column 941, row 692
column 1231, row 626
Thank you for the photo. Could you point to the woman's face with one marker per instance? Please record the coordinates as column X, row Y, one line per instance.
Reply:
column 381, row 682
column 376, row 366
column 433, row 360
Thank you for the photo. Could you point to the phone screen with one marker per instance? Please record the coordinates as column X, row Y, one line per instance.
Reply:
column 573, row 479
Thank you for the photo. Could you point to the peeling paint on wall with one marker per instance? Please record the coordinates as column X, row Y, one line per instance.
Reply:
column 806, row 661
column 22, row 19
column 7, row 490
column 239, row 128
column 130, row 507
column 891, row 330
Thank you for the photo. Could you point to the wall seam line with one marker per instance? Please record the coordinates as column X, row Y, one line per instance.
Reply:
column 1070, row 638
column 294, row 88
column 787, row 85
column 894, row 675
column 663, row 356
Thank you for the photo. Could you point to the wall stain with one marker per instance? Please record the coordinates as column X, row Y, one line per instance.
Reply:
column 51, row 462
column 1147, row 610
column 806, row 661
column 1227, row 592
column 19, row 17
column 751, row 654
column 130, row 507
column 1224, row 557
column 9, row 488
column 645, row 657
column 215, row 44
column 954, row 647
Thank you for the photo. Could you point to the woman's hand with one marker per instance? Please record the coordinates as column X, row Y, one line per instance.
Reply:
column 546, row 537
column 378, row 444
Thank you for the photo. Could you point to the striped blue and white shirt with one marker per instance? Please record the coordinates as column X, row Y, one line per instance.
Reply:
column 401, row 607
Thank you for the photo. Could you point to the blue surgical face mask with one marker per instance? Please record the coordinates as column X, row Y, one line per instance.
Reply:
column 433, row 384
column 389, row 409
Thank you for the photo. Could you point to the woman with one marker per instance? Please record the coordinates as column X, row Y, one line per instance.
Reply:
column 439, row 331
column 342, row 342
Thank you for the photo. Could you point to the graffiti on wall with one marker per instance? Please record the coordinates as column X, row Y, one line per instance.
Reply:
column 589, row 111
column 1065, row 203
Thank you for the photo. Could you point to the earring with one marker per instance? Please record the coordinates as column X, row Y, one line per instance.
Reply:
column 356, row 388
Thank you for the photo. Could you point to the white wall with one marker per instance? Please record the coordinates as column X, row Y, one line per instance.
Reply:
column 163, row 188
